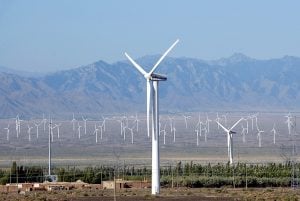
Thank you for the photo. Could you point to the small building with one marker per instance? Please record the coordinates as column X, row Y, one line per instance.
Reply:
column 120, row 184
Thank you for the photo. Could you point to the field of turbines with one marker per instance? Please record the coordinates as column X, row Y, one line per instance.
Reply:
column 83, row 141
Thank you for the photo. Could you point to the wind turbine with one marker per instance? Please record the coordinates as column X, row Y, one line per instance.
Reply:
column 244, row 130
column 131, row 131
column 50, row 135
column 197, row 135
column 73, row 122
column 17, row 126
column 124, row 132
column 29, row 132
column 289, row 122
column 171, row 123
column 164, row 132
column 229, row 138
column 121, row 126
column 101, row 130
column 207, row 122
column 247, row 125
column 103, row 123
column 259, row 137
column 174, row 134
column 79, row 129
column 37, row 129
column 152, row 80
column 51, row 129
column 7, row 132
column 217, row 119
column 57, row 126
column 44, row 121
column 96, row 132
column 84, row 124
column 274, row 134
column 137, row 122
column 185, row 120
column 205, row 133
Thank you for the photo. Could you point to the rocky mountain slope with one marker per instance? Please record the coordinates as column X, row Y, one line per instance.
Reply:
column 234, row 83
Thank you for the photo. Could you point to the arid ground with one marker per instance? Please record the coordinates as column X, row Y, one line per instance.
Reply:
column 206, row 194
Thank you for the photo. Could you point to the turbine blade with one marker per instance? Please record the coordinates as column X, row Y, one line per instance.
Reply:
column 163, row 56
column 236, row 123
column 137, row 66
column 148, row 106
column 225, row 129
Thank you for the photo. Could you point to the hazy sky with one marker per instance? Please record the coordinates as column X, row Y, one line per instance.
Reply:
column 49, row 35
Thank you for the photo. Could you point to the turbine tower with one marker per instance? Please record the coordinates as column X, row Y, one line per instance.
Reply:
column 152, row 80
column 229, row 139
column 49, row 147
column 274, row 134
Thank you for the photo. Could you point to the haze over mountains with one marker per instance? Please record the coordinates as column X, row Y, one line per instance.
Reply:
column 234, row 83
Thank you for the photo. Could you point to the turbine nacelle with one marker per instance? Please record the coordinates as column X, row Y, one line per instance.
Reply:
column 158, row 77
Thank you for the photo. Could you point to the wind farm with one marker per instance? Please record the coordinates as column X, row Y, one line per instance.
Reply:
column 247, row 147
column 140, row 100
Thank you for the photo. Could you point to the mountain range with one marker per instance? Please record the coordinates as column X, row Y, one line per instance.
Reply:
column 228, row 84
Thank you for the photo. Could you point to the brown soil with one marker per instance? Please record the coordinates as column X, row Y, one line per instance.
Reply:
column 185, row 194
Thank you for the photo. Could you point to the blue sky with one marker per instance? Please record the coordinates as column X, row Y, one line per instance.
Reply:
column 60, row 34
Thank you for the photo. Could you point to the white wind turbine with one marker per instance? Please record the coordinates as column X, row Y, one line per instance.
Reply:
column 197, row 136
column 57, row 126
column 73, row 122
column 171, row 123
column 259, row 137
column 205, row 133
column 252, row 121
column 37, row 129
column 44, row 121
column 229, row 139
column 121, row 124
column 164, row 133
column 29, row 132
column 17, row 126
column 96, row 132
column 152, row 88
column 200, row 128
column 218, row 119
column 50, row 135
column 84, row 120
column 50, row 126
column 274, row 134
column 131, row 131
column 174, row 134
column 207, row 123
column 185, row 120
column 289, row 122
column 7, row 132
column 247, row 125
column 79, row 130
column 124, row 132
column 103, row 122
column 137, row 122
column 101, row 130
column 244, row 131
